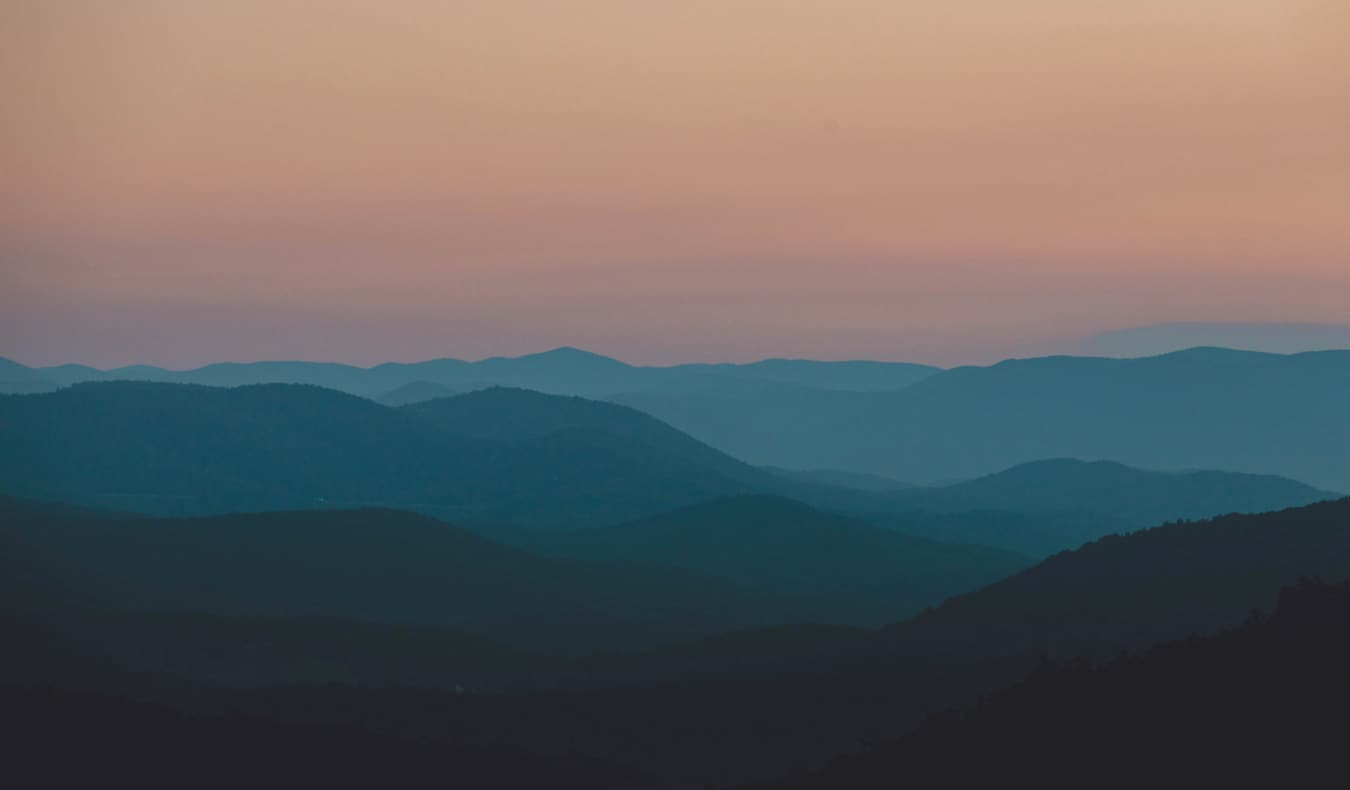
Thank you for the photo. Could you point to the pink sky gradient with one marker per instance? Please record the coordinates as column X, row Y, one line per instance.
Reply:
column 191, row 181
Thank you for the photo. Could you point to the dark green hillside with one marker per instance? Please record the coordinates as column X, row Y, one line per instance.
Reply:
column 170, row 448
column 415, row 392
column 373, row 566
column 782, row 545
column 1155, row 584
column 503, row 413
column 177, row 449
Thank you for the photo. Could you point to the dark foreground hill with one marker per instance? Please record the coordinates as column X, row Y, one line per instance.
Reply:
column 1197, row 409
column 61, row 740
column 1265, row 705
column 759, row 703
column 778, row 544
column 376, row 567
column 736, row 709
column 770, row 701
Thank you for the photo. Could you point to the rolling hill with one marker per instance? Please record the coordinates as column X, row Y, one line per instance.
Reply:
column 1043, row 507
column 371, row 566
column 778, row 544
column 184, row 449
column 1199, row 409
column 1138, row 496
column 415, row 392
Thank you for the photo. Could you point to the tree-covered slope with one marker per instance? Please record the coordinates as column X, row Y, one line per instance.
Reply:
column 372, row 566
column 1265, row 705
column 182, row 449
column 783, row 545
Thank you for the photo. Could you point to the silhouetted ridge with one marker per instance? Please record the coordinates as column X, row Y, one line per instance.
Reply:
column 566, row 370
column 1266, row 705
column 1154, row 584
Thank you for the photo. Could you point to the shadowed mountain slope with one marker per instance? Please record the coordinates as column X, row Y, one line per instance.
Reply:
column 415, row 392
column 373, row 566
column 731, row 707
column 1266, row 705
column 786, row 546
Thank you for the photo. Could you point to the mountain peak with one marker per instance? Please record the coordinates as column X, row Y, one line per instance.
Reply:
column 572, row 353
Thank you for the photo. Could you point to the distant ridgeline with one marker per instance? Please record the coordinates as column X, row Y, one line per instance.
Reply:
column 1204, row 408
column 562, row 371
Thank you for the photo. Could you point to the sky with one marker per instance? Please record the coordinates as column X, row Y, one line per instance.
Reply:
column 943, row 181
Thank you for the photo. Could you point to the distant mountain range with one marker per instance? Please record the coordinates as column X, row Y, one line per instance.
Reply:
column 516, row 456
column 1203, row 408
column 511, row 456
column 1198, row 409
column 564, row 371
column 1286, row 338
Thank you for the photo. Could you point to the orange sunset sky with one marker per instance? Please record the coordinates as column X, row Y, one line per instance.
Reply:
column 945, row 181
